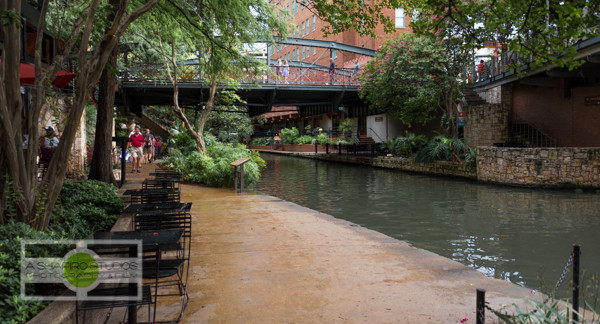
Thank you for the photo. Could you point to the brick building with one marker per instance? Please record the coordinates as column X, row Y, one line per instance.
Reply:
column 306, row 24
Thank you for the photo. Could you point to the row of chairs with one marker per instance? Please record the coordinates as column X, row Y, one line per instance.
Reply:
column 165, row 269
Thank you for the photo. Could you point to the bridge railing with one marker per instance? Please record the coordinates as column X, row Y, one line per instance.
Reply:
column 313, row 75
column 274, row 74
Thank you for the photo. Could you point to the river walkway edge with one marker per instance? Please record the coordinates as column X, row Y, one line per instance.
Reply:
column 259, row 259
column 555, row 168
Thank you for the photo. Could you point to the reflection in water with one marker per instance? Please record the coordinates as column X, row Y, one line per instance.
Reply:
column 510, row 233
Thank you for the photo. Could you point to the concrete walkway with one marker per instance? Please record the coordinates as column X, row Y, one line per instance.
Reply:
column 258, row 259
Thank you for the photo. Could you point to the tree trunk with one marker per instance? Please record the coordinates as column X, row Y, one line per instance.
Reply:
column 101, row 168
column 33, row 203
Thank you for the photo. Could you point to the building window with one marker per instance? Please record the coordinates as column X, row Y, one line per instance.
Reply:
column 399, row 18
column 307, row 26
column 314, row 51
column 303, row 53
column 303, row 29
column 333, row 53
column 314, row 22
column 307, row 52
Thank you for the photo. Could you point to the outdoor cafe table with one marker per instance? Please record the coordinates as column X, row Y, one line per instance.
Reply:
column 151, row 209
column 160, row 194
column 161, row 182
column 157, row 209
column 166, row 174
column 150, row 240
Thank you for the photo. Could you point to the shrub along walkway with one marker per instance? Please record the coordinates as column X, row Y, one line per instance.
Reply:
column 258, row 259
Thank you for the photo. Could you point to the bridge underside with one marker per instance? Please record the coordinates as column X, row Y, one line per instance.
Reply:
column 259, row 99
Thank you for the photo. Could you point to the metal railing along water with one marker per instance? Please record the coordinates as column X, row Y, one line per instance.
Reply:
column 573, row 260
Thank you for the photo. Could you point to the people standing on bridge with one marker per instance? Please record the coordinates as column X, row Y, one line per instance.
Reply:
column 355, row 71
column 481, row 71
column 332, row 71
column 278, row 70
column 286, row 71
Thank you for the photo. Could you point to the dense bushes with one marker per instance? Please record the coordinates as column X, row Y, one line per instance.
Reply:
column 442, row 148
column 83, row 208
column 260, row 141
column 213, row 168
column 289, row 135
column 405, row 145
column 304, row 139
column 439, row 148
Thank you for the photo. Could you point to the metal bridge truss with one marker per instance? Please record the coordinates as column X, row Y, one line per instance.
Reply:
column 308, row 86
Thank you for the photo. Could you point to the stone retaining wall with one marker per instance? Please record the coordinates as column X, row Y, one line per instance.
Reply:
column 540, row 167
column 486, row 124
column 438, row 168
column 302, row 148
column 444, row 168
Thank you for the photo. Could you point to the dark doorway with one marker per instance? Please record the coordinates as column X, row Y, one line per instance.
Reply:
column 362, row 126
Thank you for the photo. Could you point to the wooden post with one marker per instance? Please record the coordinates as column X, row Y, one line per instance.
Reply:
column 239, row 174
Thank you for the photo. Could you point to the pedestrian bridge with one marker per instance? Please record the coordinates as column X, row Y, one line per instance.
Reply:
column 309, row 87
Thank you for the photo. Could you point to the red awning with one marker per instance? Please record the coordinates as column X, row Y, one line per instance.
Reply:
column 27, row 76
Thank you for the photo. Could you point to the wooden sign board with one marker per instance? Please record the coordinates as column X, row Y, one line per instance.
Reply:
column 592, row 101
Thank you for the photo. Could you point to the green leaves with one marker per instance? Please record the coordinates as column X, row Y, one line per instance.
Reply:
column 407, row 78
column 537, row 31
column 213, row 168
column 289, row 135
column 358, row 15
column 10, row 18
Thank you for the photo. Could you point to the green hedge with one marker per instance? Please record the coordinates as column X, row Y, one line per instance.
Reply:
column 83, row 209
column 214, row 169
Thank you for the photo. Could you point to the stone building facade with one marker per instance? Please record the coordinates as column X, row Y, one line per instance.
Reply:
column 540, row 167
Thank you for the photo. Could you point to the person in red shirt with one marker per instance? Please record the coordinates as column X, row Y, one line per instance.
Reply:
column 136, row 143
column 481, row 71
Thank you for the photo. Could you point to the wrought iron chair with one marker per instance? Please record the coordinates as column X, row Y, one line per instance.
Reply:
column 108, row 290
column 173, row 267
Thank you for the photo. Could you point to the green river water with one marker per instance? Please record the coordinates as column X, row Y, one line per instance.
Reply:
column 524, row 236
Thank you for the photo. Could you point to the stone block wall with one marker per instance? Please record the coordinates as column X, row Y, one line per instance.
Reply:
column 540, row 167
column 444, row 168
column 486, row 124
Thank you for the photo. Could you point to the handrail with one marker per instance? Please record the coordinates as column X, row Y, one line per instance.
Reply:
column 374, row 132
column 273, row 74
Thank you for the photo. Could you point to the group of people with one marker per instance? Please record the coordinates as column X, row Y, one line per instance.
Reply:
column 332, row 74
column 146, row 147
column 282, row 70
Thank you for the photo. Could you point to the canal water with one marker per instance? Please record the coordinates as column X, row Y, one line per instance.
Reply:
column 524, row 236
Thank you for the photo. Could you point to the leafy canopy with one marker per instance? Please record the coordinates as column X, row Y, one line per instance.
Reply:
column 535, row 30
column 407, row 78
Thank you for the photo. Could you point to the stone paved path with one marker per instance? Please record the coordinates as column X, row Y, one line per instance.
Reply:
column 258, row 259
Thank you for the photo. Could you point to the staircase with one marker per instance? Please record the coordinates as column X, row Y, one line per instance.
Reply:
column 365, row 141
column 472, row 97
column 527, row 135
